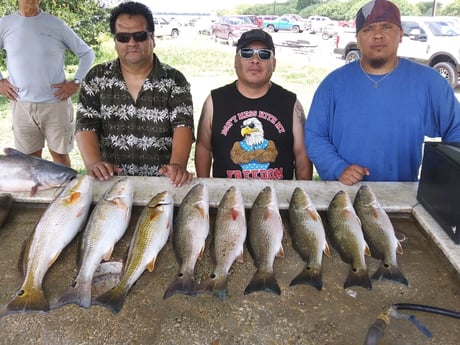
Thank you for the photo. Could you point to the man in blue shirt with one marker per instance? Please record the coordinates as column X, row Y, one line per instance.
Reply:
column 368, row 119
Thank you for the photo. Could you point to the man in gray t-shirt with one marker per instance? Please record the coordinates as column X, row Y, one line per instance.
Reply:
column 36, row 42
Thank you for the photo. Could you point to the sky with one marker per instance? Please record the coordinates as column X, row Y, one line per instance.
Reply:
column 183, row 6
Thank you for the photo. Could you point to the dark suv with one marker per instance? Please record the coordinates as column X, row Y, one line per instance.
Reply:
column 230, row 28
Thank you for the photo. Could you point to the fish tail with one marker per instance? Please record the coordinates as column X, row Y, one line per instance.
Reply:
column 183, row 284
column 113, row 299
column 263, row 281
column 309, row 276
column 78, row 293
column 29, row 300
column 390, row 272
column 358, row 278
column 214, row 285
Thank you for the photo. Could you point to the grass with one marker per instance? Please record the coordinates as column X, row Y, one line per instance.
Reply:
column 206, row 65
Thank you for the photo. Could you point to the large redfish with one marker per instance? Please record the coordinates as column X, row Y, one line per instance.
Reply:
column 191, row 228
column 379, row 235
column 58, row 225
column 348, row 239
column 228, row 245
column 265, row 233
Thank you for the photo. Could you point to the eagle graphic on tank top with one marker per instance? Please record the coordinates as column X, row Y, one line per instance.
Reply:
column 254, row 152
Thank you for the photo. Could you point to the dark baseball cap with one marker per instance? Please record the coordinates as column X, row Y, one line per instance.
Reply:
column 377, row 11
column 255, row 35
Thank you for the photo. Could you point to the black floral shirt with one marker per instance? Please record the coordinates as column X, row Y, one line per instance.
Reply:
column 135, row 135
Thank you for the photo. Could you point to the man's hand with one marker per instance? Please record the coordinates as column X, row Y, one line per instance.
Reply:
column 353, row 174
column 8, row 90
column 102, row 170
column 65, row 89
column 177, row 174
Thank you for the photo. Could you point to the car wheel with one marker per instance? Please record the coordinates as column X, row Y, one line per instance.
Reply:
column 325, row 36
column 295, row 29
column 448, row 71
column 174, row 33
column 270, row 28
column 352, row 55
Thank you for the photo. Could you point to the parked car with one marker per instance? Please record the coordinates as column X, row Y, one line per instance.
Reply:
column 230, row 28
column 164, row 28
column 330, row 30
column 431, row 41
column 317, row 23
column 255, row 20
column 300, row 19
column 284, row 23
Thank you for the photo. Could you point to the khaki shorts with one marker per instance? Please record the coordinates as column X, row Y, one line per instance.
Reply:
column 33, row 123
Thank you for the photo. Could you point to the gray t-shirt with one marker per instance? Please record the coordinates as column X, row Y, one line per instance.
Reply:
column 35, row 48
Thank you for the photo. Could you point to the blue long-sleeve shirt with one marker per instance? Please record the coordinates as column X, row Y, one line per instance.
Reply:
column 383, row 128
column 35, row 49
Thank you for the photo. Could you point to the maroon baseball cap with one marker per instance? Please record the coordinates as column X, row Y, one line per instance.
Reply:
column 377, row 11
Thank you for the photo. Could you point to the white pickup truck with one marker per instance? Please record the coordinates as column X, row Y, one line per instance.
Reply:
column 164, row 28
column 431, row 41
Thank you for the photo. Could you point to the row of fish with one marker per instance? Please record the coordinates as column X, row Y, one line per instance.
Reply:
column 67, row 215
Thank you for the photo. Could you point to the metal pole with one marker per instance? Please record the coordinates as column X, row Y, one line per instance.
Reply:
column 433, row 11
column 274, row 7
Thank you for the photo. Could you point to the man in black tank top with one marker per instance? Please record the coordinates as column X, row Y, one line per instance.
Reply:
column 252, row 128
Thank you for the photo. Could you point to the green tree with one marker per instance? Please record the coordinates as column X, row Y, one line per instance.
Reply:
column 452, row 9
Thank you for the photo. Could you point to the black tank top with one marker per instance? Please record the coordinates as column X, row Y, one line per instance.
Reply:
column 252, row 138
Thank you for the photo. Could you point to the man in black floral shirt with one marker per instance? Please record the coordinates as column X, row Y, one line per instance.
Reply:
column 135, row 114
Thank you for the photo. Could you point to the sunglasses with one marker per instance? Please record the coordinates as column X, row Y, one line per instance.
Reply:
column 248, row 53
column 125, row 37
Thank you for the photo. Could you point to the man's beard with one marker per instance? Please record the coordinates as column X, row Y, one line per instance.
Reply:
column 377, row 63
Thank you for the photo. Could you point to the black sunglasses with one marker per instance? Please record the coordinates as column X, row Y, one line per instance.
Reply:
column 248, row 53
column 125, row 37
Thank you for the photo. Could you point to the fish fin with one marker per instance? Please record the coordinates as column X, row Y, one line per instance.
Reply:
column 9, row 151
column 390, row 272
column 155, row 213
column 73, row 198
column 399, row 248
column 23, row 257
column 367, row 250
column 235, row 213
column 34, row 190
column 54, row 258
column 312, row 214
column 213, row 285
column 358, row 278
column 108, row 254
column 240, row 256
column 280, row 253
column 114, row 299
column 309, row 276
column 78, row 293
column 183, row 284
column 32, row 299
column 151, row 265
column 327, row 250
column 263, row 281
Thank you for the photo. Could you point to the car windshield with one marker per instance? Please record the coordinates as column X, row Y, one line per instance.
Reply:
column 242, row 20
column 442, row 28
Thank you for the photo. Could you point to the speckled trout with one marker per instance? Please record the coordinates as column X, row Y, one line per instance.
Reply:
column 265, row 233
column 228, row 242
column 152, row 231
column 308, row 238
column 56, row 228
column 379, row 235
column 106, row 225
column 347, row 238
column 191, row 228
